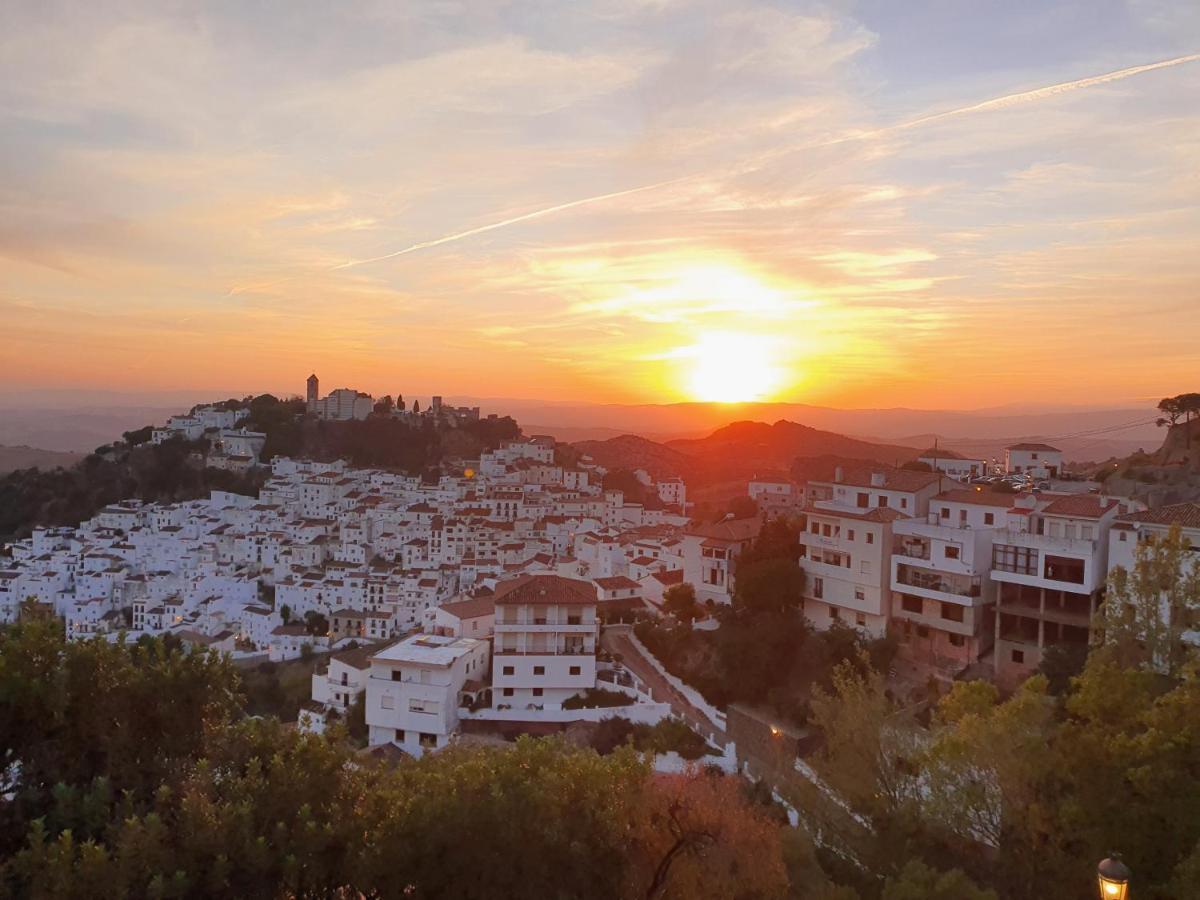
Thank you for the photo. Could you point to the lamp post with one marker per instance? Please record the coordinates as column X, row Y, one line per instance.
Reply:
column 1113, row 876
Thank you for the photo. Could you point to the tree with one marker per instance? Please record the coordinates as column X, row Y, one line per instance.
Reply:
column 384, row 405
column 916, row 465
column 680, row 601
column 1147, row 610
column 416, row 407
column 770, row 585
column 285, row 613
column 1172, row 410
column 743, row 508
column 918, row 881
column 138, row 436
column 315, row 623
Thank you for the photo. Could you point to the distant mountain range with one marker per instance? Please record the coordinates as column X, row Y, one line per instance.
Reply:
column 739, row 451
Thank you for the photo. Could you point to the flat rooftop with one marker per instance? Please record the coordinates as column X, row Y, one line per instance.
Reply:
column 428, row 649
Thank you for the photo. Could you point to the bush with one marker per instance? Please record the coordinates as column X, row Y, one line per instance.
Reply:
column 595, row 698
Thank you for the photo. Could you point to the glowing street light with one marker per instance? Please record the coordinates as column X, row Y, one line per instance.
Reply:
column 1113, row 876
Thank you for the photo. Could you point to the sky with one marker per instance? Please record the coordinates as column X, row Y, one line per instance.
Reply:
column 932, row 204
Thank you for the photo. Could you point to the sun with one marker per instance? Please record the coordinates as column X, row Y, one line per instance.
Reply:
column 732, row 368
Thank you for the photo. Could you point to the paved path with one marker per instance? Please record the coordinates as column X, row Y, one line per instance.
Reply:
column 615, row 639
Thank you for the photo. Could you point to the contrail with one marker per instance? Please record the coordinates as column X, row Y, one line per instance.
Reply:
column 1041, row 93
column 458, row 236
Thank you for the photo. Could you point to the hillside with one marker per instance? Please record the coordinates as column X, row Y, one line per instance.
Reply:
column 632, row 452
column 1169, row 475
column 13, row 458
column 737, row 452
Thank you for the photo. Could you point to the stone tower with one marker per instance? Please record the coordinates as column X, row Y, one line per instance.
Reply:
column 313, row 388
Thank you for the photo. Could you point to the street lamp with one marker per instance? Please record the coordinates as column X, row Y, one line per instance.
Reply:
column 1113, row 876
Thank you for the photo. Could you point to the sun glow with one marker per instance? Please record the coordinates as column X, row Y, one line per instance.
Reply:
column 732, row 368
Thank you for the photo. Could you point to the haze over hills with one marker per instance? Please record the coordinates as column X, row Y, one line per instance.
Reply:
column 79, row 421
column 738, row 451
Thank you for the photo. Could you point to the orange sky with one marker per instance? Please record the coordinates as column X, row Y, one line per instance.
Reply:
column 626, row 201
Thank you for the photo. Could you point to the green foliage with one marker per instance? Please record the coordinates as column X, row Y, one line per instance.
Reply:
column 138, row 435
column 130, row 775
column 918, row 881
column 160, row 472
column 669, row 735
column 594, row 698
column 679, row 600
column 316, row 623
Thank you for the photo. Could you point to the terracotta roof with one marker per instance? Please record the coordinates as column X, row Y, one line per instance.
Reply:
column 858, row 474
column 546, row 589
column 669, row 578
column 470, row 609
column 1079, row 506
column 878, row 514
column 615, row 582
column 1186, row 515
column 728, row 530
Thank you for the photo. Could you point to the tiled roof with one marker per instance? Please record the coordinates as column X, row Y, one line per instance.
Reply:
column 728, row 530
column 545, row 589
column 858, row 474
column 615, row 582
column 470, row 609
column 1079, row 506
column 1186, row 515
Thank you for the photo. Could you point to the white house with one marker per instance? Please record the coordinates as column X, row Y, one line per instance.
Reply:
column 338, row 680
column 415, row 688
column 546, row 633
column 953, row 464
column 710, row 553
column 472, row 617
column 1033, row 459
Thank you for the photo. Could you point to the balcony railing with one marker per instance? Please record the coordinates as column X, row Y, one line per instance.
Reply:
column 913, row 549
column 570, row 651
column 936, row 581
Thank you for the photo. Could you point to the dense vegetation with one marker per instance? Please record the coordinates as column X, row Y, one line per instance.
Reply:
column 167, row 472
column 763, row 653
column 130, row 772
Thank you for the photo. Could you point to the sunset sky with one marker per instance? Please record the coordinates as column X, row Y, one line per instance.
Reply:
column 932, row 203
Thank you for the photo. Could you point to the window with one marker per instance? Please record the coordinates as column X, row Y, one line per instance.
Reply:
column 956, row 640
column 951, row 552
column 904, row 503
column 945, row 512
column 860, row 594
column 397, row 675
column 417, row 705
column 576, row 670
column 860, row 620
column 882, row 501
column 962, row 516
column 537, row 692
column 835, row 613
column 1124, row 537
column 952, row 612
column 864, row 567
column 1018, row 656
column 508, row 692
column 539, row 670
column 575, row 620
column 864, row 500
column 509, row 670
column 818, row 588
column 387, row 701
column 1063, row 568
column 850, row 535
column 870, row 537
column 1019, row 560
column 815, row 528
column 911, row 604
column 989, row 518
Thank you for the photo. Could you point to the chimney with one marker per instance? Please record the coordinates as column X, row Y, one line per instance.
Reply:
column 838, row 475
column 878, row 479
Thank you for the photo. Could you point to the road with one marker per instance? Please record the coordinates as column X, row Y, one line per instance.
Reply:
column 615, row 639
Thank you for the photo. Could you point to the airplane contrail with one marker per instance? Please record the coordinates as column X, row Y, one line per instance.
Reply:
column 1041, row 93
column 1002, row 102
column 458, row 236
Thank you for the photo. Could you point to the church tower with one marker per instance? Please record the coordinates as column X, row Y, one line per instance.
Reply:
column 313, row 389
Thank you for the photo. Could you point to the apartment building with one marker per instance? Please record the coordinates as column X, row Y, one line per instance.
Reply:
column 415, row 688
column 546, row 634
column 845, row 551
column 943, row 599
column 1131, row 529
column 1050, row 561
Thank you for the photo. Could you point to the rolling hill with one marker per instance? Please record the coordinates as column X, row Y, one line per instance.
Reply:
column 738, row 451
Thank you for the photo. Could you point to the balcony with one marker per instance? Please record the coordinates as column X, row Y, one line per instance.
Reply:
column 913, row 548
column 939, row 582
column 564, row 651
